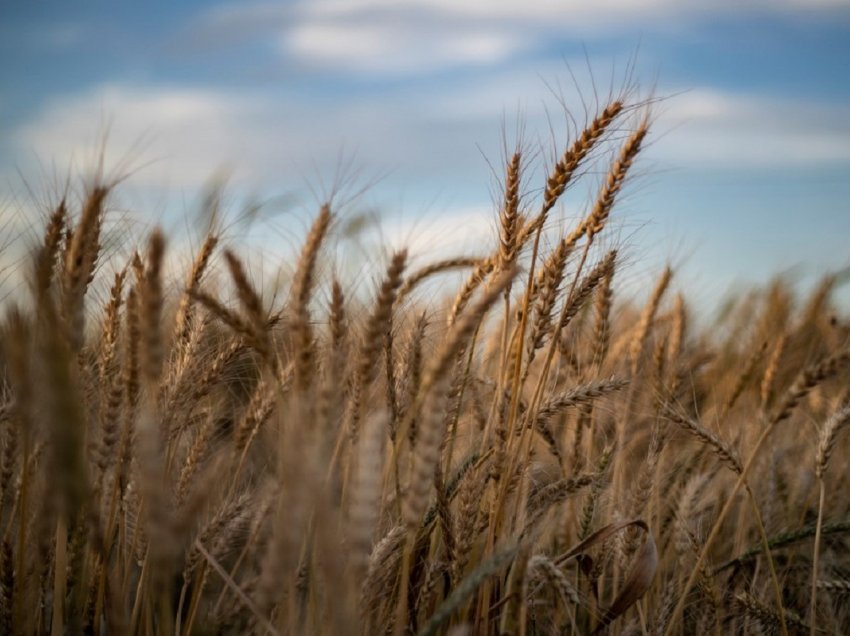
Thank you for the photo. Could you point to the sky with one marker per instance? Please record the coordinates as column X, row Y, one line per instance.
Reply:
column 410, row 104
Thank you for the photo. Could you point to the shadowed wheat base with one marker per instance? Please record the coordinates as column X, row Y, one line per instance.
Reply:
column 531, row 456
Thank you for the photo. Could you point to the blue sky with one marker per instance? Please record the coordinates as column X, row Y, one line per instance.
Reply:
column 747, row 173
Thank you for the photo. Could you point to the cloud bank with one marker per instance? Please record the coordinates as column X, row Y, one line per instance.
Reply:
column 181, row 136
column 386, row 37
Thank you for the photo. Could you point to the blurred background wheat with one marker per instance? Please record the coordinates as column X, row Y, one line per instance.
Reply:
column 525, row 455
column 527, row 403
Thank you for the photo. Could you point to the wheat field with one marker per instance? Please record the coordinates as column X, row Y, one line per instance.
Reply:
column 530, row 454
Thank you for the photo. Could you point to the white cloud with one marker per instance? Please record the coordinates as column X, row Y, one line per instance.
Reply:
column 190, row 128
column 376, row 48
column 569, row 14
column 465, row 230
column 416, row 36
column 428, row 141
column 379, row 38
column 709, row 128
column 179, row 137
column 492, row 10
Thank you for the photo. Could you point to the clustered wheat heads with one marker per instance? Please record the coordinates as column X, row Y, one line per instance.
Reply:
column 532, row 456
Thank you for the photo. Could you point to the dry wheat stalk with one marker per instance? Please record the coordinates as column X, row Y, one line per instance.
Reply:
column 509, row 217
column 47, row 255
column 377, row 326
column 721, row 448
column 583, row 394
column 565, row 168
column 829, row 437
column 302, row 288
column 80, row 261
column 416, row 277
column 364, row 507
column 642, row 329
column 183, row 319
